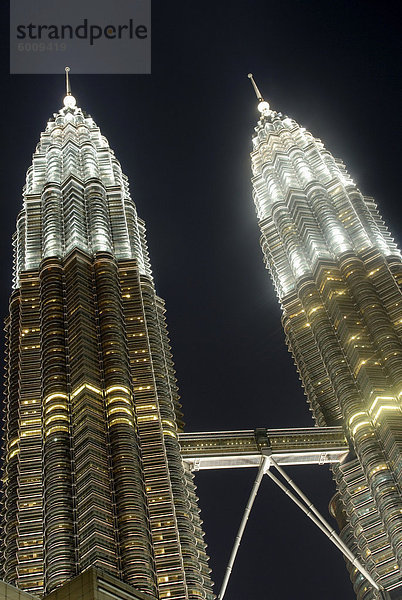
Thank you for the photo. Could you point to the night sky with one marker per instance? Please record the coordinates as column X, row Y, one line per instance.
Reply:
column 183, row 137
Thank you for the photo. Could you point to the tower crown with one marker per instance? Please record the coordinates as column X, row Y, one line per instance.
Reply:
column 76, row 196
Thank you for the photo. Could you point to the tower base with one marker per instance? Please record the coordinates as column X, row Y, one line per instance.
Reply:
column 92, row 584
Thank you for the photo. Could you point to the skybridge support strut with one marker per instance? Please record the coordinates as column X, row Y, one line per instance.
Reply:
column 310, row 511
column 262, row 469
column 301, row 500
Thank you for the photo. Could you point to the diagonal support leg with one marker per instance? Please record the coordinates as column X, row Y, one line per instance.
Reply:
column 263, row 466
column 310, row 511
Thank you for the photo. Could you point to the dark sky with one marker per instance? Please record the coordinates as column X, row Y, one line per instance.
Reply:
column 183, row 137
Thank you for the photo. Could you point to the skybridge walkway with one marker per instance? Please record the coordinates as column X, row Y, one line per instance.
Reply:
column 235, row 449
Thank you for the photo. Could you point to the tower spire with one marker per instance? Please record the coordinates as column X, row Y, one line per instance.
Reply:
column 69, row 100
column 257, row 91
column 68, row 89
column 263, row 106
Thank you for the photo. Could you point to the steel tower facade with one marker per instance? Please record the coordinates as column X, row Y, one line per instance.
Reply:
column 92, row 474
column 338, row 274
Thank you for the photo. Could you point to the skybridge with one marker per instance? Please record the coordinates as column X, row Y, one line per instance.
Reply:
column 237, row 449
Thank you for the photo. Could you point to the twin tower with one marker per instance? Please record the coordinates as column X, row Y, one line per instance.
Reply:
column 93, row 473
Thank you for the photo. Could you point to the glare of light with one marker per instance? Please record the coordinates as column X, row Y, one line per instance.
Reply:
column 384, row 407
column 353, row 417
column 356, row 427
column 263, row 107
column 69, row 101
column 378, row 399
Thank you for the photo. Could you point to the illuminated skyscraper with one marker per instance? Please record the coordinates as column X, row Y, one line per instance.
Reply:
column 92, row 473
column 338, row 274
